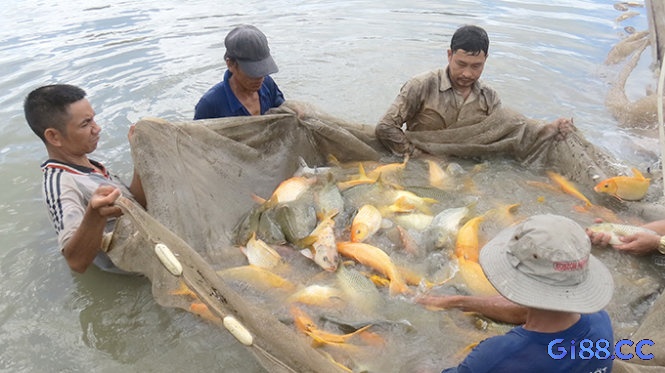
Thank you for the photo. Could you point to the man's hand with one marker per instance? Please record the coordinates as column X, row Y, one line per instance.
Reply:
column 641, row 243
column 598, row 238
column 437, row 301
column 102, row 201
column 560, row 128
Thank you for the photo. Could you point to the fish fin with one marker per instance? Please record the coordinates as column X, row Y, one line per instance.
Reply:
column 334, row 161
column 307, row 253
column 637, row 173
column 325, row 214
column 361, row 171
column 258, row 199
column 302, row 163
column 306, row 241
column 430, row 200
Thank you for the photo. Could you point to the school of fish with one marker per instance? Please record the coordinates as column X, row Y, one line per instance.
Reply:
column 376, row 229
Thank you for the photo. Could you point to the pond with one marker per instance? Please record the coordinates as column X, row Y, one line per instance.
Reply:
column 156, row 58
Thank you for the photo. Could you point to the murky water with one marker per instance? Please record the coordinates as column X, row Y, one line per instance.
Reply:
column 149, row 58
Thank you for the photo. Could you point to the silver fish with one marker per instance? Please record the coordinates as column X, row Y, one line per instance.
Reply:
column 305, row 170
column 321, row 245
column 445, row 225
column 359, row 290
column 618, row 230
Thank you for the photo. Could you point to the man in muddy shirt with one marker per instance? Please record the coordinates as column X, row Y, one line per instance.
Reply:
column 447, row 98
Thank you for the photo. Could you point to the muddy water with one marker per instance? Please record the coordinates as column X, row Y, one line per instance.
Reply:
column 148, row 58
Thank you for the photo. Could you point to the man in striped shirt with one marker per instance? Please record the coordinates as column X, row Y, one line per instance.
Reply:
column 79, row 192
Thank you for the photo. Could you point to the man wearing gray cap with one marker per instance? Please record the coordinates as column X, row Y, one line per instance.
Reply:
column 545, row 265
column 247, row 88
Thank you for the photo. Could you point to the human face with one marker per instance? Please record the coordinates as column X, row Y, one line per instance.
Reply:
column 81, row 133
column 244, row 81
column 465, row 68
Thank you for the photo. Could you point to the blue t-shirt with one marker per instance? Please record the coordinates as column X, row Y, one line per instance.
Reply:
column 522, row 350
column 220, row 101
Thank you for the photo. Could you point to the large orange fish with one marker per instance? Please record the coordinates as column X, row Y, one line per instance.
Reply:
column 568, row 187
column 474, row 277
column 388, row 169
column 288, row 190
column 466, row 245
column 628, row 188
column 366, row 222
column 305, row 324
column 359, row 179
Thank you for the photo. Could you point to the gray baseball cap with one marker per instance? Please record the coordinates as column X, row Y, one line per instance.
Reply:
column 249, row 46
column 545, row 262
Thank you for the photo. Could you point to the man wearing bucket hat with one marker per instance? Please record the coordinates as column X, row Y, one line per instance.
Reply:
column 247, row 88
column 544, row 264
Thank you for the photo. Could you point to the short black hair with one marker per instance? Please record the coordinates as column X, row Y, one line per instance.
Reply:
column 470, row 38
column 48, row 107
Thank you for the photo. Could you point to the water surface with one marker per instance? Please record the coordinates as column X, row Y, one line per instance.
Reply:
column 156, row 58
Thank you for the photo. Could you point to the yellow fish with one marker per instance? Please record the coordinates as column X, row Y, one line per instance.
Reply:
column 628, row 188
column 568, row 187
column 415, row 220
column 504, row 214
column 387, row 169
column 437, row 176
column 305, row 324
column 288, row 190
column 199, row 308
column 467, row 245
column 366, row 222
column 360, row 179
column 405, row 201
column 184, row 290
column 318, row 295
column 377, row 259
column 475, row 278
column 259, row 278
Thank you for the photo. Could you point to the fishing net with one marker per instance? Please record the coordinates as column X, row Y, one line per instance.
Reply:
column 201, row 179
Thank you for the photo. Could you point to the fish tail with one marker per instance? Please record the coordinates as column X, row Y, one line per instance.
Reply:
column 334, row 161
column 258, row 199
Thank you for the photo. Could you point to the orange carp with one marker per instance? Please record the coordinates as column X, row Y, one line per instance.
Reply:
column 568, row 187
column 625, row 188
column 437, row 176
column 366, row 222
column 360, row 179
column 467, row 245
column 305, row 324
column 288, row 190
column 474, row 277
column 387, row 169
column 259, row 278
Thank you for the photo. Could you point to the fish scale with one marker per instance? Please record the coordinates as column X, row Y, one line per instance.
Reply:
column 618, row 230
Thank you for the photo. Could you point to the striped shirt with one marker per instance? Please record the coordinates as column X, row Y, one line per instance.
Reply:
column 67, row 190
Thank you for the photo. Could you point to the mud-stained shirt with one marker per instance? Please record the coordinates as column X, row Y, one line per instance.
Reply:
column 428, row 102
column 67, row 190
